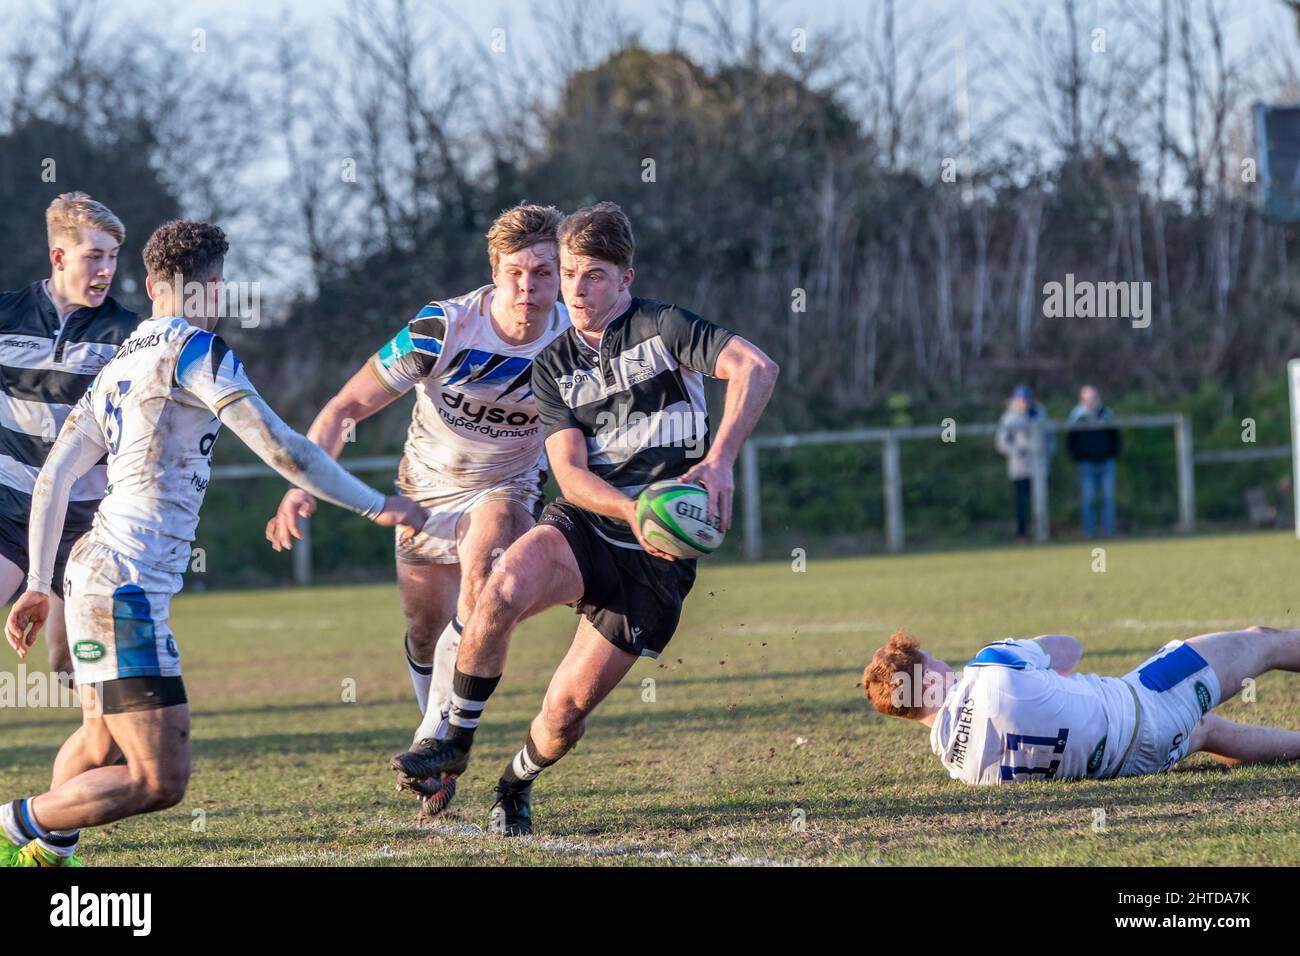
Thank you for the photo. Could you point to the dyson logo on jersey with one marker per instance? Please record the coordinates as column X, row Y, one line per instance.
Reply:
column 490, row 414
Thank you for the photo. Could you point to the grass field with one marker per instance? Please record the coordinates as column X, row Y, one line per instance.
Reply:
column 756, row 712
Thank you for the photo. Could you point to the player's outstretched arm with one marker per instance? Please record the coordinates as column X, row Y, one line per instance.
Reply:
column 361, row 397
column 750, row 377
column 306, row 465
column 566, row 450
column 1063, row 650
column 76, row 450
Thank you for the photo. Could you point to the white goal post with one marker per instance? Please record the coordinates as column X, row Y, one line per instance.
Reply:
column 1293, row 377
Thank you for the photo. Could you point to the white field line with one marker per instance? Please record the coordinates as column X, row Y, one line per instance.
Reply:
column 832, row 627
column 804, row 627
column 567, row 848
column 1191, row 625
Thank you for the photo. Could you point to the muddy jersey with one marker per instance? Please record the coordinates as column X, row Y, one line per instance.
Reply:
column 155, row 407
column 475, row 420
column 1010, row 717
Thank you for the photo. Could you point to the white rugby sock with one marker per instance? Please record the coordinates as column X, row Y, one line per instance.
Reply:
column 442, row 675
column 9, row 824
column 421, row 676
column 21, row 827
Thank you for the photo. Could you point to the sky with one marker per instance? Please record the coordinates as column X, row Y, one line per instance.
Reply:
column 983, row 26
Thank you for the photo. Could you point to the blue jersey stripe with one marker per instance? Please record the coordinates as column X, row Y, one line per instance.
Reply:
column 193, row 352
column 133, row 633
column 999, row 657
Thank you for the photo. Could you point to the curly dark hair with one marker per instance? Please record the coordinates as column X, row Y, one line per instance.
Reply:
column 184, row 246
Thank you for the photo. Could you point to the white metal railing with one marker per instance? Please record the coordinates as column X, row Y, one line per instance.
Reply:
column 301, row 552
column 891, row 469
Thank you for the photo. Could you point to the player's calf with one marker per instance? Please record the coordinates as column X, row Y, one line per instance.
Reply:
column 1236, row 744
column 90, row 746
column 428, row 597
column 537, row 572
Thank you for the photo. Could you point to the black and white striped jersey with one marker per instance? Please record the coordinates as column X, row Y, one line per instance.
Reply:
column 45, row 367
column 639, row 401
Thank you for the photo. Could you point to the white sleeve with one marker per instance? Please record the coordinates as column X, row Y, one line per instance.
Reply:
column 207, row 369
column 299, row 460
column 79, row 446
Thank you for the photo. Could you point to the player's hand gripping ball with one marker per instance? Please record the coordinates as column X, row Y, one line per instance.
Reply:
column 673, row 516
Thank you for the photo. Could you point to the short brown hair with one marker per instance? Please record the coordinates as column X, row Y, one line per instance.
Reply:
column 72, row 211
column 185, row 247
column 902, row 653
column 602, row 231
column 518, row 228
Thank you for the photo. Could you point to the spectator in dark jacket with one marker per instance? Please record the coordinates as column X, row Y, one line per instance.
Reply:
column 1095, row 451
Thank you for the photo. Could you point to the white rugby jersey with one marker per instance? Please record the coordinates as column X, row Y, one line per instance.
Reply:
column 156, row 404
column 1010, row 717
column 475, row 420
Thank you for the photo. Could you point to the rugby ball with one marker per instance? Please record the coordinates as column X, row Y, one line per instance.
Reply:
column 673, row 516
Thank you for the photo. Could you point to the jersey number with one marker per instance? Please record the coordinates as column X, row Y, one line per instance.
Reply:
column 1057, row 743
column 113, row 409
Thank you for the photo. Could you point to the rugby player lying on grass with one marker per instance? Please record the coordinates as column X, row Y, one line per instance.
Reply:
column 1019, row 712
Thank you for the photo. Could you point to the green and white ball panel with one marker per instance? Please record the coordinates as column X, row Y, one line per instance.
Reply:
column 673, row 516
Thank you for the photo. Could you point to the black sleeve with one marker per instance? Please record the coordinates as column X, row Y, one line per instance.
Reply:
column 695, row 342
column 554, row 412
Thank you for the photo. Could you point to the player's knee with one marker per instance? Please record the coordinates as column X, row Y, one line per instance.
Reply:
column 564, row 716
column 161, row 790
column 169, row 790
column 503, row 596
column 422, row 633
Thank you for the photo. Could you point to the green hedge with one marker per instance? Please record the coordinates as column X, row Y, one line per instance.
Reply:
column 829, row 499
